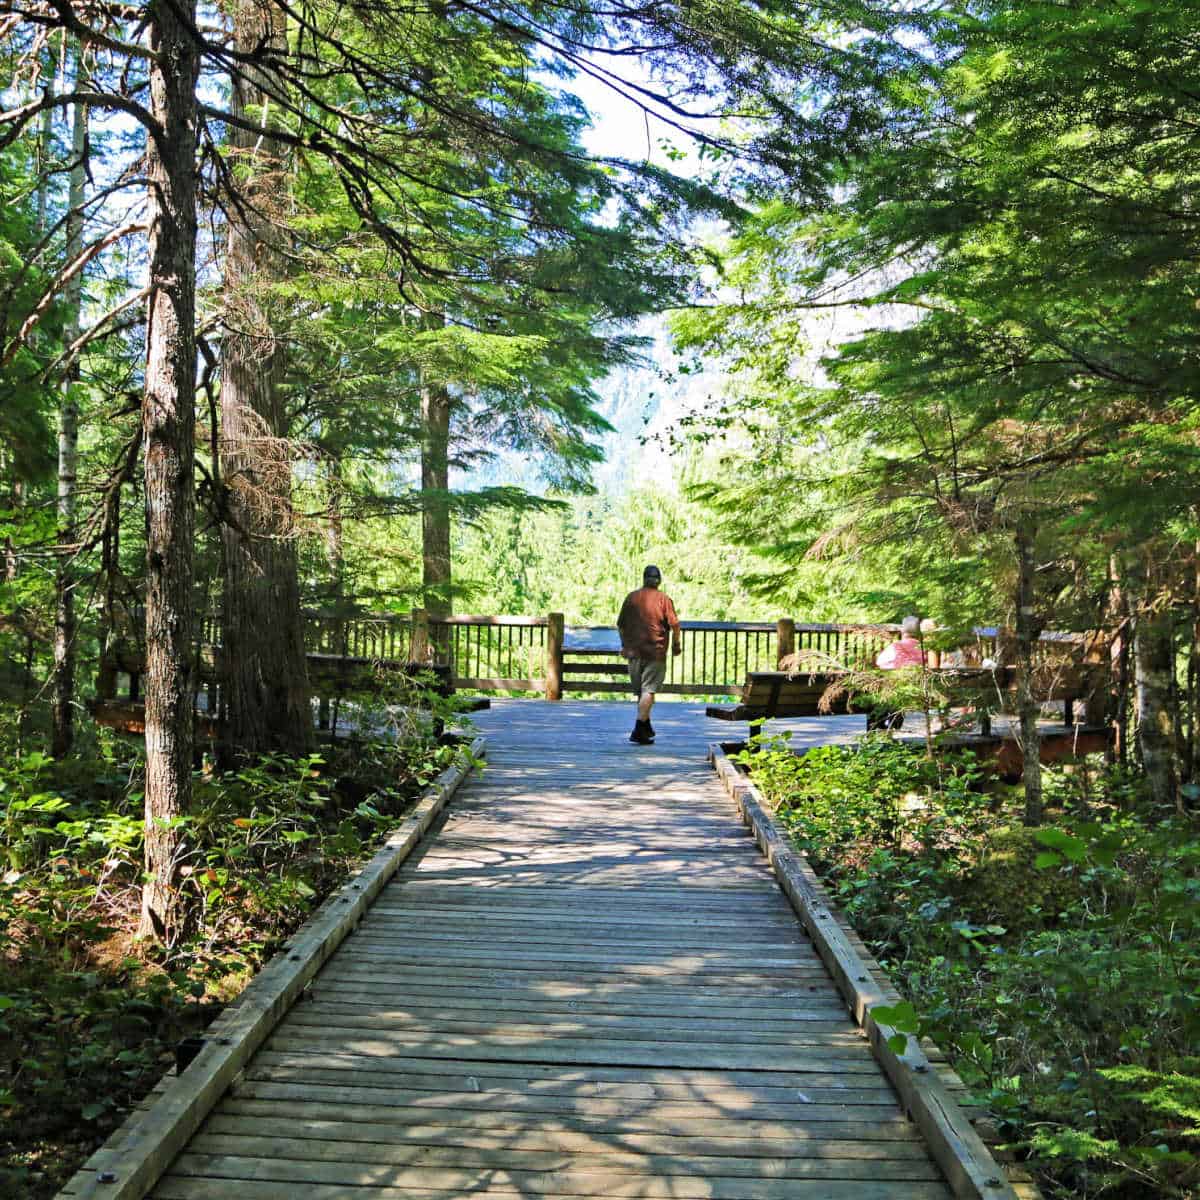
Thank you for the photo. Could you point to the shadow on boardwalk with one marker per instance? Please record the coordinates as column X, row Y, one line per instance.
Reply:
column 584, row 984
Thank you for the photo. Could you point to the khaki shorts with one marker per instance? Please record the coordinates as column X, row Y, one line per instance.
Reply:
column 647, row 674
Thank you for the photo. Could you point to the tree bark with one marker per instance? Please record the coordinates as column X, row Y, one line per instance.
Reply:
column 110, row 557
column 1192, row 698
column 264, row 665
column 168, row 434
column 1154, row 664
column 45, row 154
column 437, row 572
column 336, row 545
column 111, row 626
column 62, row 733
column 1028, row 709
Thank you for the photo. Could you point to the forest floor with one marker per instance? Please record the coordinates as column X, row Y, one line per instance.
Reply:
column 1058, row 967
column 89, row 1019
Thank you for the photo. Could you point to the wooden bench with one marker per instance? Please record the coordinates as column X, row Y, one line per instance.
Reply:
column 1069, row 684
column 768, row 694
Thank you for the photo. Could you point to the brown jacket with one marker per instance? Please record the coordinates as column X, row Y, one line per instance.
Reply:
column 646, row 623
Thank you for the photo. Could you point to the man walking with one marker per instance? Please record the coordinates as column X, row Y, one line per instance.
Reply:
column 647, row 619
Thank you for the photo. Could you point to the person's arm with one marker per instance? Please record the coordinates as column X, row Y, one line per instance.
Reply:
column 673, row 623
column 622, row 619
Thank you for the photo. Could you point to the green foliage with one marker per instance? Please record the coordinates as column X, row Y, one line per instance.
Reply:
column 585, row 556
column 1009, row 269
column 1059, row 967
column 88, row 1020
column 25, row 398
column 1009, row 880
column 846, row 800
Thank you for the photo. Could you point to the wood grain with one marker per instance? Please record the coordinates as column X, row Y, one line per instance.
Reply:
column 584, row 982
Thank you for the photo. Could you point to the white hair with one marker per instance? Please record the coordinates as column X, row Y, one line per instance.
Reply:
column 910, row 626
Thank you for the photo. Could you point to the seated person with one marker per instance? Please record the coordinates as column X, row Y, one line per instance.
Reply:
column 907, row 652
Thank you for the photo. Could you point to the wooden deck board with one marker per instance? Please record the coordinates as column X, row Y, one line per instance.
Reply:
column 585, row 983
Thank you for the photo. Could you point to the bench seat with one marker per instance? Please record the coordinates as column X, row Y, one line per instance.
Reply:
column 768, row 694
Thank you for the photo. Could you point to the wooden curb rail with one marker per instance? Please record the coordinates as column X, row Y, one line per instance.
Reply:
column 145, row 1147
column 956, row 1147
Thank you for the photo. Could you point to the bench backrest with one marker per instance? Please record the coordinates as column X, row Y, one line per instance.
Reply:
column 777, row 693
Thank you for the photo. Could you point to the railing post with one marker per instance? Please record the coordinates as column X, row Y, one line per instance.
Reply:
column 785, row 640
column 419, row 651
column 554, row 656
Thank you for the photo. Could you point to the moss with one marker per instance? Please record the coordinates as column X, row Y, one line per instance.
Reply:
column 1006, row 885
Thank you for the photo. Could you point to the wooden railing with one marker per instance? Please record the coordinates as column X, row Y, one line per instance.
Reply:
column 542, row 655
column 496, row 653
column 717, row 655
column 384, row 636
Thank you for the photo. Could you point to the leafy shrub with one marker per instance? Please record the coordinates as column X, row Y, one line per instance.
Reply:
column 88, row 1021
column 1059, row 967
column 1007, row 881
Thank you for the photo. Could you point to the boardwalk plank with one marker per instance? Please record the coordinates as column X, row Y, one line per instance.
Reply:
column 850, row 1059
column 815, row 1032
column 795, row 984
column 347, row 1070
column 424, row 1115
column 606, row 954
column 556, row 1183
column 580, row 1154
column 191, row 1187
column 553, row 991
column 468, row 1006
column 724, row 1056
column 584, row 983
column 476, row 1075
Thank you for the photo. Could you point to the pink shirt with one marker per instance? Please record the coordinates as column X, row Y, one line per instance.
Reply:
column 906, row 652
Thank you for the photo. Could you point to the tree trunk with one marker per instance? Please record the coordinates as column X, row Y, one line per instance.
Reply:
column 111, row 627
column 1192, row 699
column 435, row 484
column 110, row 557
column 1028, row 709
column 336, row 545
column 1154, row 664
column 62, row 733
column 1117, row 618
column 168, row 433
column 264, row 665
column 45, row 155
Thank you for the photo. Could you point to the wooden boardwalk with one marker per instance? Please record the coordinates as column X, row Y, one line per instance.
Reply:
column 584, row 983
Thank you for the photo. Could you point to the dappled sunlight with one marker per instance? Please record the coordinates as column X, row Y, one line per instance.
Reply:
column 585, row 982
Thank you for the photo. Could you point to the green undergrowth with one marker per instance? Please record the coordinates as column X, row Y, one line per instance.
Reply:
column 1059, row 968
column 88, row 1018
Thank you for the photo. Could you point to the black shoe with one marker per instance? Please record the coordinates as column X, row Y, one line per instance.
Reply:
column 650, row 730
column 642, row 734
